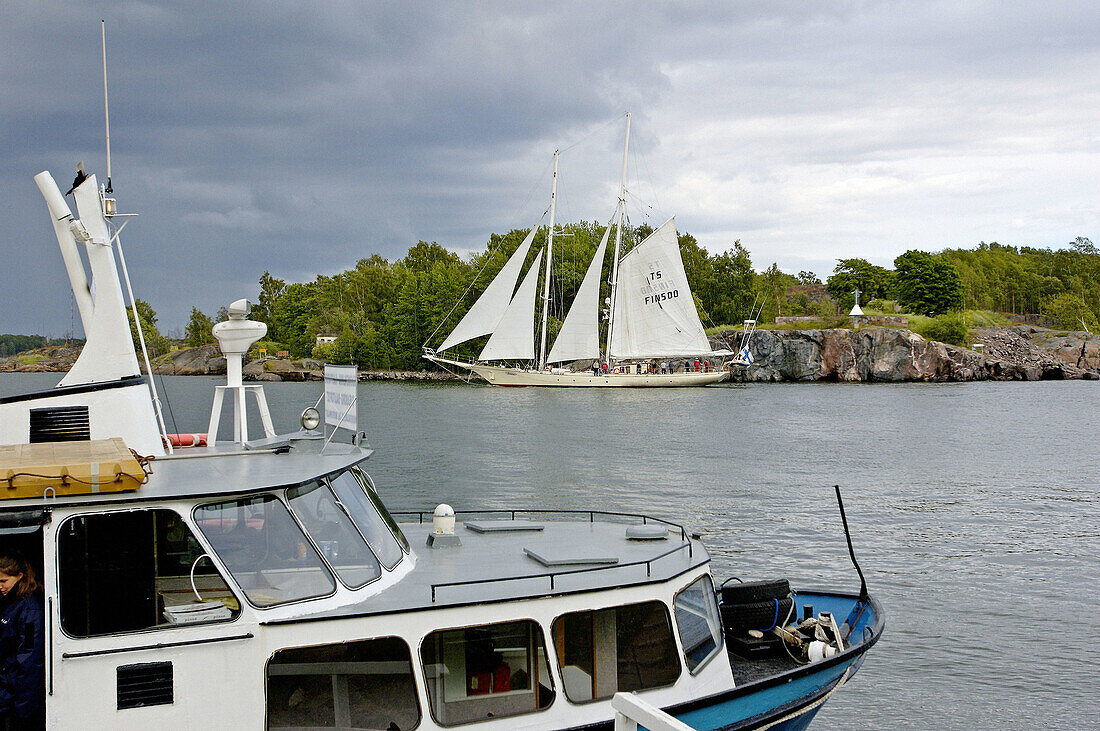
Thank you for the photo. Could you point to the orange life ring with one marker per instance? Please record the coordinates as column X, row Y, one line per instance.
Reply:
column 185, row 440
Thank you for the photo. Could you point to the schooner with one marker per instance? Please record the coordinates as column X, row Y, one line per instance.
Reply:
column 654, row 335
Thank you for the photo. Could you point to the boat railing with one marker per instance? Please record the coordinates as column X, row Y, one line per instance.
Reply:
column 552, row 575
column 632, row 712
column 646, row 519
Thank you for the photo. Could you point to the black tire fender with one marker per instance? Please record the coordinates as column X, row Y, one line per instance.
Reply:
column 755, row 591
column 740, row 618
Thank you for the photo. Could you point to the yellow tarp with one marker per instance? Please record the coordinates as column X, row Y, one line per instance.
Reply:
column 68, row 468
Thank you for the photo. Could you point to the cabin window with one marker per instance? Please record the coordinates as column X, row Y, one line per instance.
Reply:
column 370, row 517
column 488, row 671
column 129, row 571
column 333, row 532
column 372, row 494
column 366, row 684
column 621, row 649
column 265, row 550
column 698, row 622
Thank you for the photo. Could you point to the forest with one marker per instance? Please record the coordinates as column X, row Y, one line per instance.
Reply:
column 383, row 313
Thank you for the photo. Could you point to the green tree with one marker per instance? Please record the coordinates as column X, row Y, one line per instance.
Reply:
column 271, row 289
column 1069, row 311
column 808, row 278
column 927, row 284
column 771, row 286
column 873, row 282
column 12, row 344
column 291, row 319
column 154, row 341
column 198, row 330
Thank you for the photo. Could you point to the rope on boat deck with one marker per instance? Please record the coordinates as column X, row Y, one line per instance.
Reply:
column 67, row 479
column 843, row 679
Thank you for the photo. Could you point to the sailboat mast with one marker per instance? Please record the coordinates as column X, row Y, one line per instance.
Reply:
column 549, row 261
column 618, row 240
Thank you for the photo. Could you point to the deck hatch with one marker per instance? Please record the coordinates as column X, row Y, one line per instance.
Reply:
column 144, row 684
column 60, row 424
column 567, row 556
column 503, row 526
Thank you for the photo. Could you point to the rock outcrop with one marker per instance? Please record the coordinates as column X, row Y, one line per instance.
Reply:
column 878, row 354
column 206, row 360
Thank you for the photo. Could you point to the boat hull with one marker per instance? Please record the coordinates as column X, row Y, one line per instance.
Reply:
column 788, row 700
column 503, row 376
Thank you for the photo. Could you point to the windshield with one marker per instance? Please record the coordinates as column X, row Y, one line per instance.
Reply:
column 264, row 550
column 332, row 531
column 370, row 516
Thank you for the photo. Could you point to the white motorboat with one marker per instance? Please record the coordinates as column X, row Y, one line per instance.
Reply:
column 261, row 582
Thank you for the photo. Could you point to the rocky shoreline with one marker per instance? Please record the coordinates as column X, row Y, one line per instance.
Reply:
column 872, row 354
column 888, row 355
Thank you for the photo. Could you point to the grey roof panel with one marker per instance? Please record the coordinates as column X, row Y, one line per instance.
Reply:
column 461, row 575
column 568, row 556
column 502, row 526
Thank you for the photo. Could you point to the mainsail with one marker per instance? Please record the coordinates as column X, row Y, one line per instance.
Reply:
column 487, row 312
column 514, row 336
column 654, row 312
column 579, row 336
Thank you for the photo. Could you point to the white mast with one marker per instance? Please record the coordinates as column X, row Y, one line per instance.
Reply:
column 549, row 262
column 106, row 113
column 618, row 240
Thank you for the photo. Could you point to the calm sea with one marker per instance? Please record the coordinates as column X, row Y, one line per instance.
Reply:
column 973, row 507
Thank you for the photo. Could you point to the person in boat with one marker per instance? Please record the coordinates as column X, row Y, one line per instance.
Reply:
column 22, row 647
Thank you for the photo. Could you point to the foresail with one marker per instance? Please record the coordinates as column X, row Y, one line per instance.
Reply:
column 655, row 314
column 483, row 317
column 514, row 336
column 579, row 336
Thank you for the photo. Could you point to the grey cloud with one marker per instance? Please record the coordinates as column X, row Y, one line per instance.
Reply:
column 301, row 137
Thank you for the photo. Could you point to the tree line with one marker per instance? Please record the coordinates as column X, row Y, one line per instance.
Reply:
column 383, row 312
column 1061, row 285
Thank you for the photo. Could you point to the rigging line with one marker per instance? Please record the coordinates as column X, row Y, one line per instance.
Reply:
column 647, row 175
column 473, row 281
column 535, row 184
column 596, row 129
column 168, row 403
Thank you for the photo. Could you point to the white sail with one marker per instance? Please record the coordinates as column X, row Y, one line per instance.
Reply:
column 483, row 317
column 579, row 336
column 655, row 314
column 514, row 336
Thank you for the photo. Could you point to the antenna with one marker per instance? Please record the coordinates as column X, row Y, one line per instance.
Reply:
column 106, row 112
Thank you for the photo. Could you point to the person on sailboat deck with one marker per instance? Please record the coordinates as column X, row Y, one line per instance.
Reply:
column 22, row 647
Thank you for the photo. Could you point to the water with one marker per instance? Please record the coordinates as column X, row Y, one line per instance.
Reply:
column 973, row 508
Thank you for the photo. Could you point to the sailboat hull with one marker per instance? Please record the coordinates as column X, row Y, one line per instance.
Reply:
column 502, row 376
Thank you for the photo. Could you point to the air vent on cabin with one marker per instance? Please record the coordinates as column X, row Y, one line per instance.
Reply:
column 60, row 424
column 145, row 684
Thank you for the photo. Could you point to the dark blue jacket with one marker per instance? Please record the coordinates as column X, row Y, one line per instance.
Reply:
column 22, row 656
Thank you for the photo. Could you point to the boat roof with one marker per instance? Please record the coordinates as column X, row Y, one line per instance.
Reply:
column 224, row 469
column 542, row 553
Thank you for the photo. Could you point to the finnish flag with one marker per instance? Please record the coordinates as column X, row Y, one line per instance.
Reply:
column 745, row 355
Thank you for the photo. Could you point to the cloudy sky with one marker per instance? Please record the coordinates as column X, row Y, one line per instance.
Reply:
column 301, row 137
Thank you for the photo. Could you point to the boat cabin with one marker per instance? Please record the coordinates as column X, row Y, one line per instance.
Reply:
column 274, row 588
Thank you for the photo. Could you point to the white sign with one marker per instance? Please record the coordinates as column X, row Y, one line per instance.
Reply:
column 341, row 409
